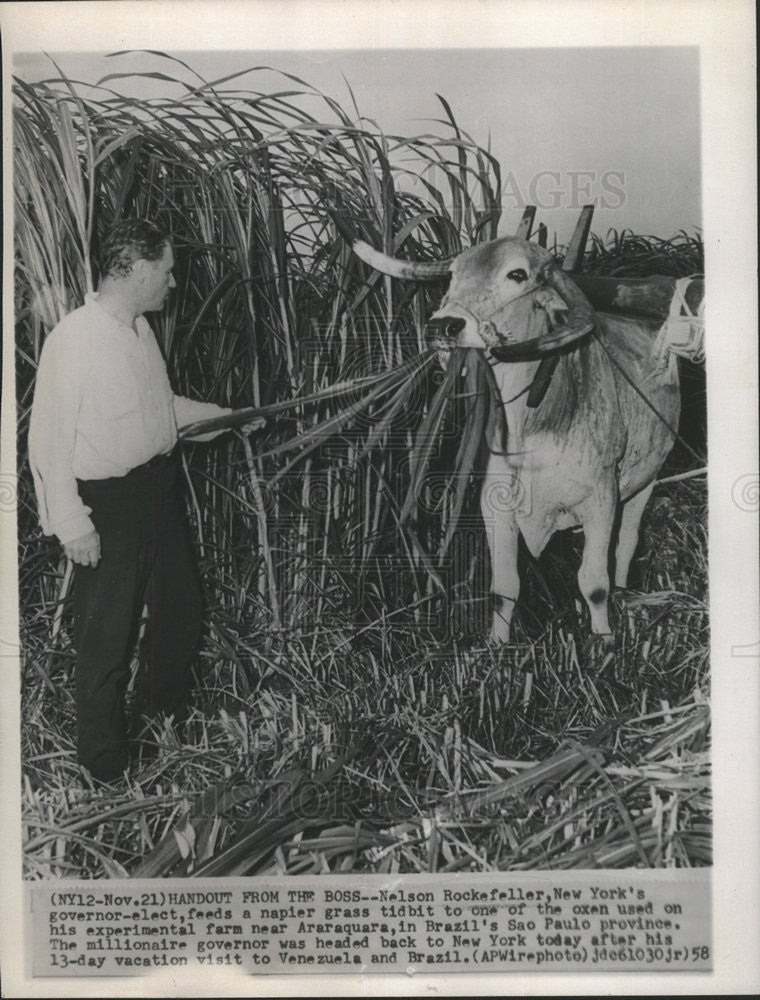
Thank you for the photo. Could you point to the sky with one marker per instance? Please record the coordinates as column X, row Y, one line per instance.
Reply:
column 617, row 127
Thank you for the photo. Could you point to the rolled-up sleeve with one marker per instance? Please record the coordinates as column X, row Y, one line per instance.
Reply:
column 52, row 433
column 191, row 411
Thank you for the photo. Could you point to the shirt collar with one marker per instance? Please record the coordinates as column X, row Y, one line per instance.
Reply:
column 91, row 299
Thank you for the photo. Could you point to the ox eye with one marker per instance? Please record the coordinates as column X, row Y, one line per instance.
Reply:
column 518, row 275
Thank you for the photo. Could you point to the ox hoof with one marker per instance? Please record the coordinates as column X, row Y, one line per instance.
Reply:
column 498, row 637
column 602, row 641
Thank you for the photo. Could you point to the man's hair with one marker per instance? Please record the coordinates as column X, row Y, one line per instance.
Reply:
column 130, row 241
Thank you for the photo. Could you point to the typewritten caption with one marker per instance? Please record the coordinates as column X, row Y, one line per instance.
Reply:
column 624, row 921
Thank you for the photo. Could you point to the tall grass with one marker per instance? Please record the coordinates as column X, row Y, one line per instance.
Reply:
column 340, row 643
column 624, row 254
column 269, row 305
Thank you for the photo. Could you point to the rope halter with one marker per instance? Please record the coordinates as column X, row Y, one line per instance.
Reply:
column 683, row 332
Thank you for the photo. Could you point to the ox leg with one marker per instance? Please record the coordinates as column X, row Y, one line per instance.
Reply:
column 502, row 535
column 628, row 537
column 594, row 575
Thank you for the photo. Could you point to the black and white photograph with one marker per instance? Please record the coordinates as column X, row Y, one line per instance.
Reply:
column 380, row 495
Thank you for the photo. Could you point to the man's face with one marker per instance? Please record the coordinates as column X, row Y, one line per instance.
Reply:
column 158, row 280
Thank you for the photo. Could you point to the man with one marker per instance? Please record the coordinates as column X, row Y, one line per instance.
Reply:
column 103, row 425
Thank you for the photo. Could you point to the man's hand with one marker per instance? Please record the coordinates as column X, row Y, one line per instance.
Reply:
column 84, row 550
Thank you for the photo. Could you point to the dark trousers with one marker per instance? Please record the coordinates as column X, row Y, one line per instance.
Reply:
column 146, row 558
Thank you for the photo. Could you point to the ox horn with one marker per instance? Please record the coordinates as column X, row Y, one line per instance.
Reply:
column 582, row 321
column 415, row 270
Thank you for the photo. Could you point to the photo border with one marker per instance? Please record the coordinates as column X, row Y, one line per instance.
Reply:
column 724, row 33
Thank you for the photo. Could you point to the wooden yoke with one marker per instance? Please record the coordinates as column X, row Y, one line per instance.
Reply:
column 647, row 297
column 650, row 297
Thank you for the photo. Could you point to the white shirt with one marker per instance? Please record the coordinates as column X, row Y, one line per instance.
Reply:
column 102, row 406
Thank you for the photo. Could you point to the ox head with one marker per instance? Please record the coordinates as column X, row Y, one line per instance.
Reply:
column 508, row 296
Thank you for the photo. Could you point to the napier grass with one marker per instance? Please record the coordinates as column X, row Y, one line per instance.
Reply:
column 349, row 715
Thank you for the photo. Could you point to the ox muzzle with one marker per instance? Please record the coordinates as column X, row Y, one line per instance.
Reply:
column 441, row 332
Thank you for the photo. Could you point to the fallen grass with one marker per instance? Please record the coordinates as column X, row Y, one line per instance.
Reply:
column 394, row 752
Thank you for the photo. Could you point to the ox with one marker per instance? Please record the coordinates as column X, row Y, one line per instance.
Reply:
column 583, row 444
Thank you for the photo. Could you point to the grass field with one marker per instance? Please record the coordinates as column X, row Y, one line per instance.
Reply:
column 349, row 714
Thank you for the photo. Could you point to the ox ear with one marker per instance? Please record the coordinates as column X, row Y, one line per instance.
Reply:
column 578, row 306
column 581, row 319
column 552, row 304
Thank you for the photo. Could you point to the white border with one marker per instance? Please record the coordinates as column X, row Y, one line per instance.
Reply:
column 724, row 31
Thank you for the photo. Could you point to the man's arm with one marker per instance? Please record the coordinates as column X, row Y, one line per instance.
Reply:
column 52, row 432
column 190, row 411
